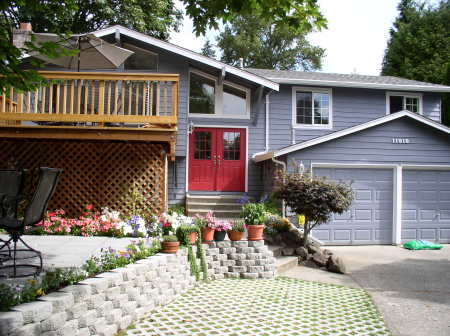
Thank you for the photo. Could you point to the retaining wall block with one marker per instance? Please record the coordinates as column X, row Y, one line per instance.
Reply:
column 224, row 243
column 254, row 256
column 120, row 300
column 95, row 300
column 232, row 275
column 112, row 293
column 124, row 321
column 255, row 243
column 10, row 321
column 217, row 276
column 79, row 292
column 212, row 251
column 245, row 262
column 104, row 308
column 227, row 250
column 262, row 262
column 99, row 285
column 60, row 301
column 98, row 327
column 129, row 307
column 270, row 268
column 77, row 310
column 240, row 243
column 113, row 315
column 245, row 250
column 237, row 256
column 54, row 322
column 34, row 311
column 87, row 319
column 70, row 328
column 31, row 329
column 267, row 275
column 248, row 275
column 256, row 269
column 83, row 332
column 133, row 293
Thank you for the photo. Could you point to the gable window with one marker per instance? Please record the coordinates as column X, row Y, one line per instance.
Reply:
column 397, row 101
column 311, row 107
column 209, row 98
column 142, row 59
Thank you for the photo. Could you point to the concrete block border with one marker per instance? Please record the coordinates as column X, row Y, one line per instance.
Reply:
column 111, row 301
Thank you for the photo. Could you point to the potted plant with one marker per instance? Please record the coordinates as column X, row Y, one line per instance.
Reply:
column 170, row 244
column 237, row 230
column 254, row 215
column 206, row 225
column 187, row 233
column 220, row 230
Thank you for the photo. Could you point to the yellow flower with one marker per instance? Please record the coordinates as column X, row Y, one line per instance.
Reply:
column 40, row 292
column 32, row 282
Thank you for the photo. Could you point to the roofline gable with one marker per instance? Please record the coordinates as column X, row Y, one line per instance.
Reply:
column 189, row 54
column 350, row 84
column 351, row 130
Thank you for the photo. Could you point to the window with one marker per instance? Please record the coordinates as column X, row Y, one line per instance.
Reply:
column 397, row 102
column 231, row 146
column 202, row 146
column 209, row 98
column 312, row 107
column 202, row 95
column 141, row 59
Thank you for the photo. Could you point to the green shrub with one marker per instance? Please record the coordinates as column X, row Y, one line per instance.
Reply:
column 254, row 213
column 238, row 225
column 170, row 238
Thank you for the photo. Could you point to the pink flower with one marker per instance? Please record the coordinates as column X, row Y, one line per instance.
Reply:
column 89, row 207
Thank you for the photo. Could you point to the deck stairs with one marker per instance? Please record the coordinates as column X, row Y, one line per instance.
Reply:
column 283, row 263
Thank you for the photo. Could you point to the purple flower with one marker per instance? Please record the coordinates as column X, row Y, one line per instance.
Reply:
column 243, row 200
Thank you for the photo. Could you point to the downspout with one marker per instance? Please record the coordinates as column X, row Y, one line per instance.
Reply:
column 267, row 121
column 283, row 165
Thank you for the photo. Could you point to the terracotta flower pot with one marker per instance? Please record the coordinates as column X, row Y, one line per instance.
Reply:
column 255, row 232
column 219, row 235
column 207, row 234
column 170, row 247
column 192, row 238
column 235, row 235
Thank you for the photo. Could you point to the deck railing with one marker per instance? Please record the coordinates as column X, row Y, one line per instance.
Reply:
column 109, row 98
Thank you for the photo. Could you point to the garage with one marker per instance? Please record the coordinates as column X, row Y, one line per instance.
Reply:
column 426, row 205
column 369, row 220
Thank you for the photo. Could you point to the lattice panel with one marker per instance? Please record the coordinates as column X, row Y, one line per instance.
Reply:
column 95, row 172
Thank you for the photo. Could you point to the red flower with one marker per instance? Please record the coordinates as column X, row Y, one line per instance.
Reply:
column 51, row 214
column 89, row 207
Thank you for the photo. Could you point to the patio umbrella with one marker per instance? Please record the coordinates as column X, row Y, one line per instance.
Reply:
column 94, row 53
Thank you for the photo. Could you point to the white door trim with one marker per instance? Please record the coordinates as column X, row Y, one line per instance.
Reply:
column 218, row 126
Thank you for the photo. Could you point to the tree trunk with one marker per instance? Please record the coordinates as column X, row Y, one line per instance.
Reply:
column 306, row 230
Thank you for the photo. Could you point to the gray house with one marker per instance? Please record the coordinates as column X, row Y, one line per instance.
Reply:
column 235, row 125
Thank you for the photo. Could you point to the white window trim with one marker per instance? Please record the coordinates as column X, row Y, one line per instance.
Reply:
column 404, row 95
column 218, row 101
column 329, row 91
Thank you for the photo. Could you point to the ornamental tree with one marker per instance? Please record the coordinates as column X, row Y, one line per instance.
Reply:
column 314, row 197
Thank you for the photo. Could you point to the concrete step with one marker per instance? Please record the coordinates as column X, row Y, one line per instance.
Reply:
column 285, row 263
column 215, row 199
column 217, row 213
column 276, row 250
column 214, row 206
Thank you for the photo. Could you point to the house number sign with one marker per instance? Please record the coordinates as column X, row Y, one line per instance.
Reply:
column 400, row 140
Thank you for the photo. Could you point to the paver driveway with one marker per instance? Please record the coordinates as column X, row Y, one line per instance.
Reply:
column 280, row 306
column 411, row 288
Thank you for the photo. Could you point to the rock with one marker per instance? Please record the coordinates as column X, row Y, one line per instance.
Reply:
column 269, row 239
column 287, row 251
column 312, row 248
column 310, row 264
column 302, row 252
column 292, row 238
column 327, row 252
column 336, row 265
column 320, row 259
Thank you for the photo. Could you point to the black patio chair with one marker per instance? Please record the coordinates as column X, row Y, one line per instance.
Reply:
column 34, row 213
column 11, row 183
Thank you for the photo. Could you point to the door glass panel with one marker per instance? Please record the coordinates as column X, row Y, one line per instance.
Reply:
column 231, row 145
column 202, row 145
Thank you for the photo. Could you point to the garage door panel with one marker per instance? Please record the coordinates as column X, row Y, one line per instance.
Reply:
column 426, row 205
column 369, row 220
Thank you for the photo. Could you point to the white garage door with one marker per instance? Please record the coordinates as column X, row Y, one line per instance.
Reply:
column 426, row 205
column 369, row 220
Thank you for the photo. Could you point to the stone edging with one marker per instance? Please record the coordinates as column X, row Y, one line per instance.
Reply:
column 113, row 300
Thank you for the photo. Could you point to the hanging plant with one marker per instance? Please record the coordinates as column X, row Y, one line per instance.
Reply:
column 183, row 233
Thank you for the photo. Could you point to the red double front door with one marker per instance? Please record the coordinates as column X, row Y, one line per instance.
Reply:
column 217, row 159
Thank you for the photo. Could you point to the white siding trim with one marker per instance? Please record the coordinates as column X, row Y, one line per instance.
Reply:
column 351, row 130
column 218, row 126
column 188, row 53
column 397, row 206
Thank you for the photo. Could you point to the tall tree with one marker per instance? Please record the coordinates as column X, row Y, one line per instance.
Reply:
column 419, row 46
column 208, row 49
column 262, row 44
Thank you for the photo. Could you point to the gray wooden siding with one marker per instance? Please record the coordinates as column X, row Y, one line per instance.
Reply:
column 351, row 106
column 374, row 145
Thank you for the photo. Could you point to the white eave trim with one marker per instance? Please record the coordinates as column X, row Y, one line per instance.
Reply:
column 404, row 87
column 351, row 130
column 189, row 54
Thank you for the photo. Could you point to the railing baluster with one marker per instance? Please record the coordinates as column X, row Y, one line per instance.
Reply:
column 93, row 97
column 57, row 98
column 116, row 95
column 28, row 101
column 36, row 100
column 79, row 88
column 136, row 99
column 44, row 93
column 151, row 98
column 144, row 97
column 4, row 102
column 130, row 96
column 20, row 103
column 50, row 99
column 72, row 95
column 158, row 96
column 108, row 106
column 11, row 98
column 64, row 100
column 174, row 99
column 86, row 95
column 122, row 107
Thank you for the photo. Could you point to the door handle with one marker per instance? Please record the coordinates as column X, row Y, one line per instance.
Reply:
column 215, row 160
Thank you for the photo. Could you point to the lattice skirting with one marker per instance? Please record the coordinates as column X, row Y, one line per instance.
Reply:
column 95, row 172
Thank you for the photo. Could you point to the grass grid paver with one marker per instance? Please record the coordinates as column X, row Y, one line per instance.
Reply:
column 265, row 307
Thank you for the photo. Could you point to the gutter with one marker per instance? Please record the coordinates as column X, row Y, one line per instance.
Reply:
column 266, row 141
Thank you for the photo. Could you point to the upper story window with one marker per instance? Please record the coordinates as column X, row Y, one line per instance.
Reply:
column 399, row 101
column 209, row 98
column 311, row 107
column 142, row 59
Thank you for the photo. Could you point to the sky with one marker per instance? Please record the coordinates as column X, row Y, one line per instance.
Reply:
column 355, row 40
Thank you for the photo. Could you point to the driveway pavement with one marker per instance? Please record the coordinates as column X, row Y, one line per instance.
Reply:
column 411, row 288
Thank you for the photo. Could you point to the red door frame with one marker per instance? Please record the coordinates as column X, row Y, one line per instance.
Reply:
column 213, row 172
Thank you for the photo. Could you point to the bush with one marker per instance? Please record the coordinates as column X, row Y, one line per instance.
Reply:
column 314, row 197
column 238, row 225
column 170, row 238
column 254, row 213
column 276, row 224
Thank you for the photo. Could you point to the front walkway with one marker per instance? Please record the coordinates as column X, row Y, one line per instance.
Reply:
column 280, row 306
